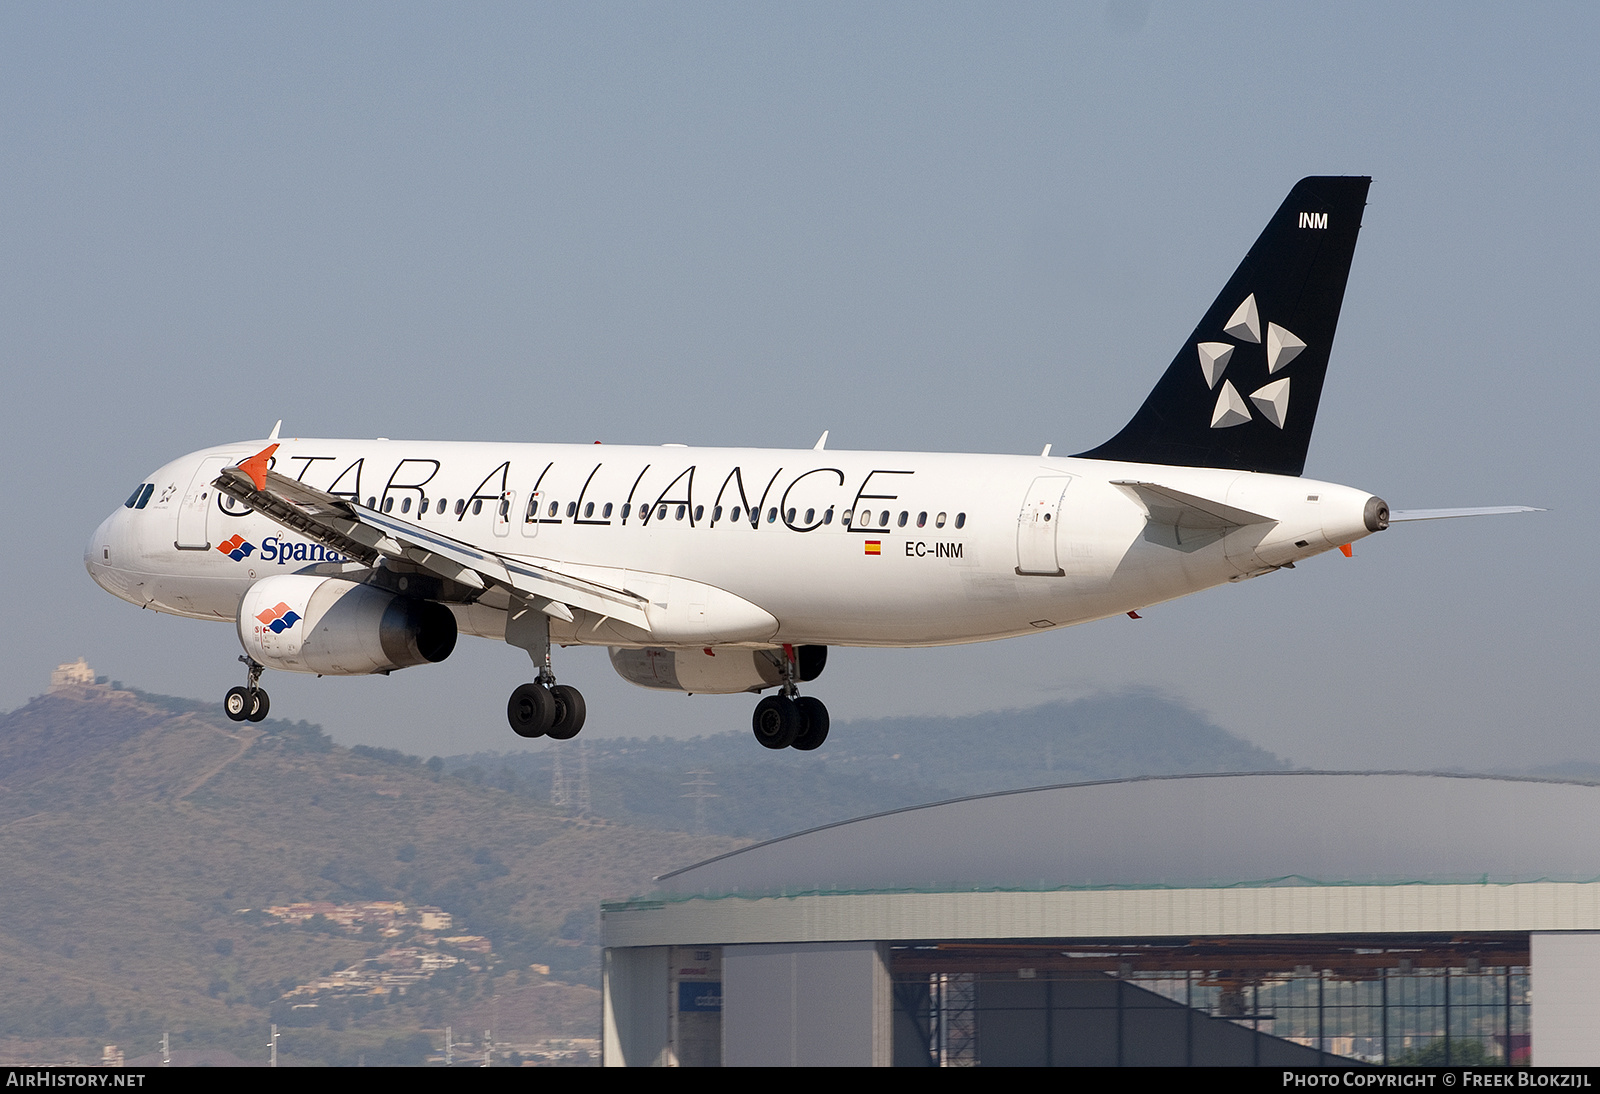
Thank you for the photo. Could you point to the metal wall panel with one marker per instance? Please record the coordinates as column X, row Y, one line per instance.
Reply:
column 635, row 1001
column 824, row 1005
column 1566, row 999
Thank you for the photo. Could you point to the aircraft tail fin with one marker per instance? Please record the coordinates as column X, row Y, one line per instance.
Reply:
column 1243, row 391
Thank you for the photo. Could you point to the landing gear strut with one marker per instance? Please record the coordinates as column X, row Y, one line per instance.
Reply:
column 788, row 719
column 249, row 702
column 543, row 708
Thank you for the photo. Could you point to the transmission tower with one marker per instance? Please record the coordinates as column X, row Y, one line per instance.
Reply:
column 700, row 791
column 583, row 778
column 560, row 797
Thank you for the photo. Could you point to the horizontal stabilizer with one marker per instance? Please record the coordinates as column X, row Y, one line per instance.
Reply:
column 1398, row 515
column 1164, row 505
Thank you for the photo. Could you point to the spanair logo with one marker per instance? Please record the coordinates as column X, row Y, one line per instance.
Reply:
column 1272, row 399
column 278, row 619
column 236, row 548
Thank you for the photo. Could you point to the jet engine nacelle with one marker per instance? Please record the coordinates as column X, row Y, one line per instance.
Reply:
column 331, row 626
column 713, row 671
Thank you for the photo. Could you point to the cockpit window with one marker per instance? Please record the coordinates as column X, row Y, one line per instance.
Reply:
column 133, row 498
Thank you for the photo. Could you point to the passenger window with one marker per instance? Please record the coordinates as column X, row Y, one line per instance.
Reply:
column 405, row 505
column 461, row 506
column 442, row 503
column 505, row 507
column 789, row 516
column 572, row 509
column 938, row 521
column 772, row 515
column 883, row 519
column 422, row 505
column 903, row 516
column 811, row 515
column 588, row 511
column 845, row 519
column 606, row 512
column 627, row 508
column 555, row 507
column 477, row 506
column 682, row 509
column 663, row 514
column 716, row 514
column 827, row 518
column 734, row 515
column 922, row 519
column 699, row 512
column 533, row 510
column 961, row 519
column 372, row 503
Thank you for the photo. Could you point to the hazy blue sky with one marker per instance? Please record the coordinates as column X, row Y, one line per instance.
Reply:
column 971, row 227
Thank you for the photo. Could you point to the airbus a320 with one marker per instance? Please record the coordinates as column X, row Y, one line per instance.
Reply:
column 722, row 570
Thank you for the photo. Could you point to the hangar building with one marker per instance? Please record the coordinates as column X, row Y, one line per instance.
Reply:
column 1272, row 919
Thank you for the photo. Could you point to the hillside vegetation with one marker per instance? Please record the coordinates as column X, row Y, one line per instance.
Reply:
column 872, row 765
column 149, row 848
column 141, row 838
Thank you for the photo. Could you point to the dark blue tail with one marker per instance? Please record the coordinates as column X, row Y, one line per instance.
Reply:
column 1243, row 391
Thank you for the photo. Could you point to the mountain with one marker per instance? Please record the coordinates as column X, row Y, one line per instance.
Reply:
column 143, row 840
column 153, row 851
column 872, row 765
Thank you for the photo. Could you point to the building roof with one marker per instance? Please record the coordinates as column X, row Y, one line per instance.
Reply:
column 1187, row 832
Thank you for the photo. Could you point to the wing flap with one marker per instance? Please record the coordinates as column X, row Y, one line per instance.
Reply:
column 319, row 517
column 368, row 536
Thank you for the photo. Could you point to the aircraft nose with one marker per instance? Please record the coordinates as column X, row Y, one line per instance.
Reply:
column 97, row 553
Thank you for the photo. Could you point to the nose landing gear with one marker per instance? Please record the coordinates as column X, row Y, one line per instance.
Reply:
column 788, row 719
column 250, row 702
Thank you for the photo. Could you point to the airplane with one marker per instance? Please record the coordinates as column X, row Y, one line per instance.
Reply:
column 725, row 570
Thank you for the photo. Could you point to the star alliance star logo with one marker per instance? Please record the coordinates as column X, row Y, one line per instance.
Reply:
column 1271, row 399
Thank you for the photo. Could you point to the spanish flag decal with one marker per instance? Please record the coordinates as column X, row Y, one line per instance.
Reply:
column 874, row 546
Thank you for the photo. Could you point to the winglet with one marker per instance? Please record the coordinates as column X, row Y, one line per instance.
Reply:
column 256, row 466
column 822, row 442
column 275, row 428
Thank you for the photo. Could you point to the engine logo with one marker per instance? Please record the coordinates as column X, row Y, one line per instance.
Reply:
column 278, row 619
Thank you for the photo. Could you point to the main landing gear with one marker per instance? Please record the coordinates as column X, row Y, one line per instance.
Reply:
column 546, row 710
column 250, row 702
column 543, row 708
column 789, row 719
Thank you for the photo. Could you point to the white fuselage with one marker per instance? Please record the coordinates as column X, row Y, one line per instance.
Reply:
column 848, row 548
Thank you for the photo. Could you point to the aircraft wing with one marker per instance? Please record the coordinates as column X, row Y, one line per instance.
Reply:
column 368, row 536
column 1397, row 515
